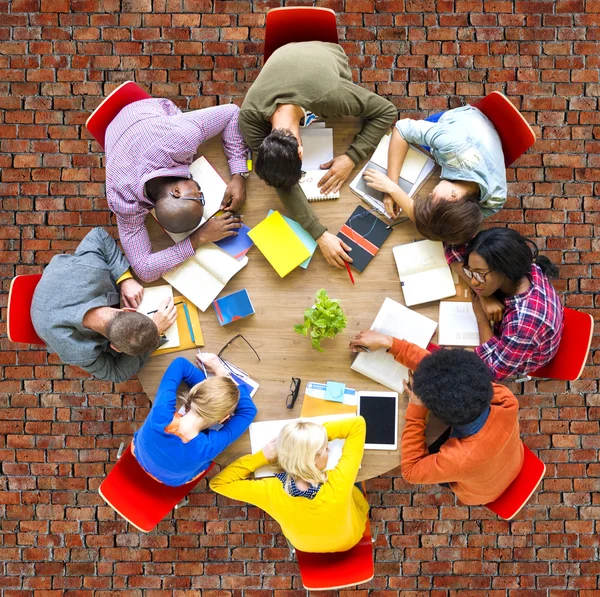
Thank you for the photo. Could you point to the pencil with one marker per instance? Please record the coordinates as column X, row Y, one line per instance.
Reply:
column 189, row 322
column 155, row 310
column 349, row 272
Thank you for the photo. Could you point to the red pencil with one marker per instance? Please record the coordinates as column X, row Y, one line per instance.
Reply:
column 349, row 272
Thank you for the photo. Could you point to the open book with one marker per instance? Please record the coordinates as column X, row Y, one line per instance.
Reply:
column 424, row 274
column 153, row 297
column 202, row 277
column 399, row 321
column 416, row 169
column 458, row 324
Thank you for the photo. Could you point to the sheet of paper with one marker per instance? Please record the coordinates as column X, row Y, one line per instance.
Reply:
column 310, row 187
column 307, row 240
column 153, row 297
column 218, row 263
column 401, row 322
column 419, row 256
column 458, row 324
column 318, row 147
column 263, row 432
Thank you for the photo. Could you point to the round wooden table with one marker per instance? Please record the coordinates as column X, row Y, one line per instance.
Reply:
column 280, row 304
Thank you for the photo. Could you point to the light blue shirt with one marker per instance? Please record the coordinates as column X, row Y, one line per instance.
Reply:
column 467, row 147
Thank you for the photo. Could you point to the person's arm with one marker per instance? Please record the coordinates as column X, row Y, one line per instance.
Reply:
column 419, row 132
column 396, row 155
column 504, row 355
column 300, row 209
column 504, row 398
column 114, row 367
column 254, row 128
column 483, row 321
column 407, row 353
column 418, row 466
column 98, row 241
column 354, row 431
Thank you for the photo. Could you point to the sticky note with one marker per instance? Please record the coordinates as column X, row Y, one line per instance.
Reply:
column 334, row 391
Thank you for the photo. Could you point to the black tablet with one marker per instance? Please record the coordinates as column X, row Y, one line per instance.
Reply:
column 380, row 411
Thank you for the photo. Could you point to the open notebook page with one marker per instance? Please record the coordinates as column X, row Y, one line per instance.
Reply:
column 218, row 263
column 153, row 297
column 458, row 324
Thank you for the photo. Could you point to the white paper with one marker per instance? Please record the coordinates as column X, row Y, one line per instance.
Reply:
column 153, row 297
column 219, row 263
column 309, row 185
column 400, row 322
column 458, row 324
column 318, row 147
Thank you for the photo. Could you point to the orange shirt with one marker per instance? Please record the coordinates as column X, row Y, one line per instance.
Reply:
column 479, row 467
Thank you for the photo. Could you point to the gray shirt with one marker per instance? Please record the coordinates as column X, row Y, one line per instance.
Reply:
column 71, row 285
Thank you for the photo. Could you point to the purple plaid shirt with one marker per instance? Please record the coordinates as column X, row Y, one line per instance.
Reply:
column 152, row 138
column 529, row 334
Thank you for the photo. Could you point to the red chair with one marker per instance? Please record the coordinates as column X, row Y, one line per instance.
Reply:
column 138, row 498
column 568, row 363
column 18, row 318
column 514, row 131
column 510, row 503
column 298, row 23
column 104, row 114
column 337, row 570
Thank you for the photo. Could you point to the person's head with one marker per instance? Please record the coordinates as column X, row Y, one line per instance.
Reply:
column 279, row 159
column 498, row 256
column 450, row 213
column 302, row 451
column 179, row 204
column 132, row 333
column 454, row 384
column 213, row 399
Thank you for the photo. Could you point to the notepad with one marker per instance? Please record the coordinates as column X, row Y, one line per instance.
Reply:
column 310, row 187
column 153, row 297
column 400, row 322
column 317, row 144
column 458, row 324
column 233, row 307
column 424, row 273
column 307, row 240
column 279, row 244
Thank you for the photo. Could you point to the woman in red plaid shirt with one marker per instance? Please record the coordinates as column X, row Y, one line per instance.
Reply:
column 504, row 268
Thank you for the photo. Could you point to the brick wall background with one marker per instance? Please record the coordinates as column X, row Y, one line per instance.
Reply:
column 59, row 429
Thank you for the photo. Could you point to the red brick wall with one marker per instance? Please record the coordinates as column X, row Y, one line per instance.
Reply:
column 58, row 58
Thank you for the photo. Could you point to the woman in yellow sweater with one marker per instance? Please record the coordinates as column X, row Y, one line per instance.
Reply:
column 318, row 511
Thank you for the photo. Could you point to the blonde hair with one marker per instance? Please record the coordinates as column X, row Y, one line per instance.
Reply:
column 297, row 446
column 213, row 399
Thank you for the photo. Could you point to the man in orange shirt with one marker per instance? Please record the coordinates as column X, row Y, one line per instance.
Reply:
column 484, row 452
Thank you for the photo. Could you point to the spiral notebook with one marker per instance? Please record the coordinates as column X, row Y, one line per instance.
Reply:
column 309, row 185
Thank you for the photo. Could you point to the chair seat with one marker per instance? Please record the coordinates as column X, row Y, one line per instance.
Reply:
column 328, row 571
column 138, row 498
column 18, row 320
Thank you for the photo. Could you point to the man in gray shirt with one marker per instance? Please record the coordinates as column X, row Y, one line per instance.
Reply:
column 75, row 310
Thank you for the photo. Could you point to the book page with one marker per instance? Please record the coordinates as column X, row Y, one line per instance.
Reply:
column 424, row 287
column 219, row 264
column 153, row 297
column 398, row 321
column 423, row 255
column 309, row 185
column 318, row 147
column 458, row 324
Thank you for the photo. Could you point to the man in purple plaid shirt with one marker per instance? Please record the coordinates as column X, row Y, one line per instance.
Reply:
column 149, row 148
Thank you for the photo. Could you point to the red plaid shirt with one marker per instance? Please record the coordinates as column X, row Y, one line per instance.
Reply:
column 152, row 138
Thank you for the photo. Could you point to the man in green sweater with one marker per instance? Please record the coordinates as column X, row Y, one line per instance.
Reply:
column 301, row 80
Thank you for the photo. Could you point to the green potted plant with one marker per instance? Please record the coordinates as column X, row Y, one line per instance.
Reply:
column 325, row 319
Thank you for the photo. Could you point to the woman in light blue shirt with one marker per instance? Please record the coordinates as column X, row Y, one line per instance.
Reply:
column 473, row 181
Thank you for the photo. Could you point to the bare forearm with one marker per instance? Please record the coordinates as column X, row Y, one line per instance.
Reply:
column 396, row 155
column 485, row 329
column 404, row 201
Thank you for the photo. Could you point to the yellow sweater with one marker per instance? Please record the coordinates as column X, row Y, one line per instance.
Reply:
column 334, row 520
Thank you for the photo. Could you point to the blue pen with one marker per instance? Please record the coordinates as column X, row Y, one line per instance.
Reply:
column 203, row 368
column 189, row 322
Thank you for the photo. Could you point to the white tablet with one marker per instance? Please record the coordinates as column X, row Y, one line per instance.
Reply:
column 380, row 411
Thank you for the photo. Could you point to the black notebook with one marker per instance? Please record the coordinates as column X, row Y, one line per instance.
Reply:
column 365, row 234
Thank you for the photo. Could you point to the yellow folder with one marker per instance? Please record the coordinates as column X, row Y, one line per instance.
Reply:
column 279, row 244
column 185, row 338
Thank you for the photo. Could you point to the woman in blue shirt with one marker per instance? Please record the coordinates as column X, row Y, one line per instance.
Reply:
column 466, row 145
column 174, row 448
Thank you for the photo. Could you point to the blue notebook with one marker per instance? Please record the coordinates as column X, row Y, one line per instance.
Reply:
column 233, row 306
column 236, row 246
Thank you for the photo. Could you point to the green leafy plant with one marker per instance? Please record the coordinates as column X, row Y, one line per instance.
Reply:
column 324, row 320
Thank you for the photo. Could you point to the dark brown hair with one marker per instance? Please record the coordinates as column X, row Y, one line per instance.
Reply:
column 277, row 161
column 132, row 333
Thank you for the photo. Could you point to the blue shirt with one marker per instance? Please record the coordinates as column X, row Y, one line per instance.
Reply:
column 467, row 147
column 164, row 455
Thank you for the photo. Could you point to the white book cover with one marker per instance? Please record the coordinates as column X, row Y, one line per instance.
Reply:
column 400, row 322
column 318, row 147
column 153, row 297
column 425, row 275
column 262, row 432
column 458, row 324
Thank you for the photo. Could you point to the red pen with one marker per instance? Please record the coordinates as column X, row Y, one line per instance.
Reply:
column 349, row 272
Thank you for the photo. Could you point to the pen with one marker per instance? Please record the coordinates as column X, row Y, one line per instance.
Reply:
column 203, row 368
column 363, row 348
column 155, row 310
column 249, row 161
column 349, row 272
column 189, row 322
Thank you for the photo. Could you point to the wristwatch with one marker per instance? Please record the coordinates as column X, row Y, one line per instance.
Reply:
column 244, row 174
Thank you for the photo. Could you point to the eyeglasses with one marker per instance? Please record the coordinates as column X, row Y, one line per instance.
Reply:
column 479, row 276
column 220, row 353
column 200, row 199
column 294, row 390
column 372, row 211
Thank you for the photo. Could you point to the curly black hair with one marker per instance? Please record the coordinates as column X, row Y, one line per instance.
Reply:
column 454, row 384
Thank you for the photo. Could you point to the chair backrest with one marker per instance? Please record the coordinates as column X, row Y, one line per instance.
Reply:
column 104, row 114
column 515, row 133
column 517, row 494
column 298, row 23
column 19, row 325
column 568, row 363
column 336, row 570
column 141, row 500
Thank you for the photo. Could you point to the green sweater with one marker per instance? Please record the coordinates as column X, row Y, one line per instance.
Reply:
column 317, row 77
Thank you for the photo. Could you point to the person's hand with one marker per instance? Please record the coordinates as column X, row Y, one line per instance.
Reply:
column 165, row 316
column 216, row 228
column 270, row 451
column 478, row 309
column 212, row 363
column 412, row 397
column 379, row 181
column 132, row 293
column 371, row 340
column 338, row 171
column 391, row 207
column 334, row 249
column 235, row 194
column 493, row 307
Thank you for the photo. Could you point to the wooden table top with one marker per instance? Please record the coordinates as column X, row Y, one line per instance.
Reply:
column 280, row 304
